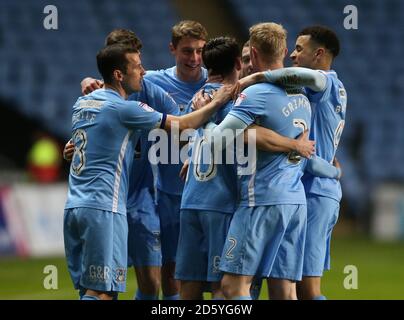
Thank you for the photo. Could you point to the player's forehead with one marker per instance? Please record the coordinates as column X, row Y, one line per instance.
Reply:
column 303, row 41
column 190, row 43
column 134, row 58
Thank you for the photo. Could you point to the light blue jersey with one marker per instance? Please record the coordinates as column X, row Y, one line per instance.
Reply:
column 276, row 176
column 329, row 108
column 142, row 175
column 182, row 92
column 105, row 130
column 219, row 181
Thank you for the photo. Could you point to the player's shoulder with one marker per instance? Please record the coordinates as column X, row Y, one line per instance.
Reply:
column 334, row 81
column 331, row 76
column 160, row 72
column 133, row 106
column 98, row 98
column 252, row 95
column 263, row 88
column 150, row 86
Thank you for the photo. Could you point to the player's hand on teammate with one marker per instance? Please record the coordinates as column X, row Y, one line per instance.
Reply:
column 236, row 90
column 246, row 82
column 68, row 151
column 304, row 146
column 200, row 100
column 337, row 165
column 184, row 170
column 223, row 95
column 89, row 85
column 220, row 96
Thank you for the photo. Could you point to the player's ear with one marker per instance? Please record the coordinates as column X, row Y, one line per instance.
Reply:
column 319, row 52
column 118, row 75
column 286, row 53
column 172, row 48
column 253, row 54
column 238, row 64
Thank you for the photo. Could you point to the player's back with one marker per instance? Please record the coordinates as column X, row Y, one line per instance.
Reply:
column 328, row 121
column 104, row 132
column 210, row 185
column 276, row 176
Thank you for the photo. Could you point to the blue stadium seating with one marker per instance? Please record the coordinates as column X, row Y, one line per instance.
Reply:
column 41, row 69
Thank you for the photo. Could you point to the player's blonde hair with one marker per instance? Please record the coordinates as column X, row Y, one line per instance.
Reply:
column 269, row 39
column 188, row 28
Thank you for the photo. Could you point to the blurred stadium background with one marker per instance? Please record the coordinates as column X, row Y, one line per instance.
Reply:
column 40, row 74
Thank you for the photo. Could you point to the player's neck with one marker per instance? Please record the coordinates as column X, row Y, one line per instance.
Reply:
column 117, row 88
column 231, row 78
column 325, row 66
column 271, row 66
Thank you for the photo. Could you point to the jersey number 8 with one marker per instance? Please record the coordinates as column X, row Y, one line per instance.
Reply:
column 79, row 156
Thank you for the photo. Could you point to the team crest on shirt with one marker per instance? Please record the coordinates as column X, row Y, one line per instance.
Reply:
column 240, row 99
column 120, row 274
column 146, row 107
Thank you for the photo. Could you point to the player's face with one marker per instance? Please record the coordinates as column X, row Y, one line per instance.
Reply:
column 188, row 56
column 304, row 53
column 132, row 80
column 246, row 65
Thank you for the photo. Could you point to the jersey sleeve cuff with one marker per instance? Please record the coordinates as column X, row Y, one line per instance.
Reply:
column 163, row 121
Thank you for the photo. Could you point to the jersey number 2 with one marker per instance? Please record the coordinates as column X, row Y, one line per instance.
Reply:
column 293, row 156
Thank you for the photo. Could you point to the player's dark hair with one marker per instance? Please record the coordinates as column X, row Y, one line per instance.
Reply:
column 112, row 58
column 220, row 54
column 123, row 36
column 323, row 36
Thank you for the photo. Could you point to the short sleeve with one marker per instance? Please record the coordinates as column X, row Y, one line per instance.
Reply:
column 138, row 115
column 250, row 105
column 321, row 95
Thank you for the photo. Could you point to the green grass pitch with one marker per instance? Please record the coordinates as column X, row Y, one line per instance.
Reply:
column 379, row 265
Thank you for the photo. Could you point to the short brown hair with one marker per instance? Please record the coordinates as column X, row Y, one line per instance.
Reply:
column 125, row 37
column 113, row 57
column 269, row 38
column 188, row 28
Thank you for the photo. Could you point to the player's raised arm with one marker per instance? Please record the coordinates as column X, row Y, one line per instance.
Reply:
column 297, row 76
column 89, row 85
column 197, row 118
column 269, row 140
column 290, row 77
